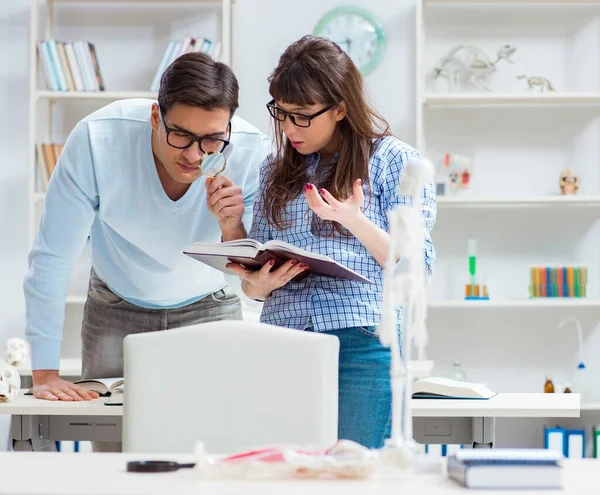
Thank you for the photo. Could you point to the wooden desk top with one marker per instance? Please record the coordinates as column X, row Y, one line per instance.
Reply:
column 43, row 473
column 519, row 405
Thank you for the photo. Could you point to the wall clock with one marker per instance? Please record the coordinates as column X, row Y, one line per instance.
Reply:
column 358, row 32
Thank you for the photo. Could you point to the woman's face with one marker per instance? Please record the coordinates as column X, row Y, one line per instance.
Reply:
column 321, row 128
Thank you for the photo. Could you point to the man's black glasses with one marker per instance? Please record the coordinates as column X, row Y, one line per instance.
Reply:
column 180, row 139
column 299, row 119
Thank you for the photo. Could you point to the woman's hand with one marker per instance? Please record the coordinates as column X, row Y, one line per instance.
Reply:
column 259, row 284
column 346, row 213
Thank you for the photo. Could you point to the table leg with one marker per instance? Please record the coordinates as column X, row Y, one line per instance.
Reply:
column 484, row 433
column 30, row 433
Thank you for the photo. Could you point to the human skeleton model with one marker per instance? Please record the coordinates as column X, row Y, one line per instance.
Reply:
column 466, row 61
column 540, row 83
column 405, row 285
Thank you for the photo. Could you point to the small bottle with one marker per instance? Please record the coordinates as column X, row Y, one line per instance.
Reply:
column 567, row 389
column 548, row 386
column 457, row 372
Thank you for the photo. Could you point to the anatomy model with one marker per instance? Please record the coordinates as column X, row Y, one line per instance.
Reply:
column 404, row 285
column 568, row 182
column 10, row 383
column 16, row 352
column 537, row 83
column 467, row 63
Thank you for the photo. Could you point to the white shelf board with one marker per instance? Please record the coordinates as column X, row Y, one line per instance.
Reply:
column 555, row 302
column 522, row 2
column 76, row 300
column 499, row 202
column 134, row 1
column 486, row 99
column 93, row 95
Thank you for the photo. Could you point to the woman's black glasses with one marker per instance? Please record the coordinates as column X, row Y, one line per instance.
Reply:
column 299, row 119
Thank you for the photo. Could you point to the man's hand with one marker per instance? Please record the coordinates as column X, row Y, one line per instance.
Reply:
column 48, row 385
column 226, row 202
column 260, row 283
column 346, row 213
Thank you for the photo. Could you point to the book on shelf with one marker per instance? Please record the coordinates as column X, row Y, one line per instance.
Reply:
column 505, row 468
column 434, row 387
column 70, row 65
column 253, row 255
column 104, row 386
column 47, row 155
column 175, row 48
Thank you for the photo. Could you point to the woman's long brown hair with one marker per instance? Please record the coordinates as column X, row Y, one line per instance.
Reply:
column 314, row 71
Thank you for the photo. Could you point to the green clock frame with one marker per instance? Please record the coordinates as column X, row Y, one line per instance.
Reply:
column 367, row 16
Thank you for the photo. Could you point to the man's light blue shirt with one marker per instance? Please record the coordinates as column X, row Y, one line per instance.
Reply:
column 105, row 194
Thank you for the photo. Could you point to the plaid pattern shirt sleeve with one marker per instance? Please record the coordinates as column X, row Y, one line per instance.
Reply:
column 389, row 173
column 260, row 230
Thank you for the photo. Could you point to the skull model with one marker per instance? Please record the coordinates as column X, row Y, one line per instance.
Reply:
column 569, row 182
column 10, row 382
column 16, row 352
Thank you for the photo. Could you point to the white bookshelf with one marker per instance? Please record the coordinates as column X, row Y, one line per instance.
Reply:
column 575, row 202
column 520, row 142
column 54, row 113
column 515, row 99
column 103, row 96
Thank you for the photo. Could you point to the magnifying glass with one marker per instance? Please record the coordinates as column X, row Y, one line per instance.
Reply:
column 156, row 466
column 213, row 164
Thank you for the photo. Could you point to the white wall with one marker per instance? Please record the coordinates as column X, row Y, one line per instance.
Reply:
column 129, row 49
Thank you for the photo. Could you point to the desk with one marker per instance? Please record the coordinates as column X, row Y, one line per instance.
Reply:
column 37, row 424
column 43, row 473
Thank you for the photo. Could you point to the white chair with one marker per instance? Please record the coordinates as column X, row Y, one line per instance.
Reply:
column 234, row 385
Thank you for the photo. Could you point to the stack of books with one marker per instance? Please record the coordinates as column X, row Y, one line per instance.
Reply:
column 176, row 48
column 70, row 65
column 506, row 468
column 47, row 157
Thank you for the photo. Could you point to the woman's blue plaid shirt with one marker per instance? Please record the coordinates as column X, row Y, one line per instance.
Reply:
column 326, row 303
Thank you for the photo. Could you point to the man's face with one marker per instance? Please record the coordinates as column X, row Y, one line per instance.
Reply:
column 184, row 122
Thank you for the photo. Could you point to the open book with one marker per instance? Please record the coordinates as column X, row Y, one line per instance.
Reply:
column 445, row 388
column 104, row 386
column 253, row 255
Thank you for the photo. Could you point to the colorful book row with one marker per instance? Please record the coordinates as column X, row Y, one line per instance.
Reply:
column 559, row 281
column 177, row 48
column 70, row 65
column 47, row 155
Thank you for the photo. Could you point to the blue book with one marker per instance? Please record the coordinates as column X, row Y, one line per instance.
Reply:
column 506, row 468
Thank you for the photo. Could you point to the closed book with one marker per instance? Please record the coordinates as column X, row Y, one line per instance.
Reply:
column 506, row 468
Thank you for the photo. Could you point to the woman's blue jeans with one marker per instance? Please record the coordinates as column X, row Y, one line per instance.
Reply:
column 365, row 396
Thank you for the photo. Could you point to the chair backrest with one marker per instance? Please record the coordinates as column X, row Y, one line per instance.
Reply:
column 233, row 385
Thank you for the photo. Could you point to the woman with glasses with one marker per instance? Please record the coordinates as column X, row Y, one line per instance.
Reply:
column 328, row 188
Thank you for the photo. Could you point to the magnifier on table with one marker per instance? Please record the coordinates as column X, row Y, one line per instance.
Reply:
column 156, row 466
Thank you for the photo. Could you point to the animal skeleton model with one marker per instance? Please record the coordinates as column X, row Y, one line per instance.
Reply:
column 470, row 63
column 541, row 83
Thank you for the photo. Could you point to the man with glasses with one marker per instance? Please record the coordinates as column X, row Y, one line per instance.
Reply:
column 128, row 185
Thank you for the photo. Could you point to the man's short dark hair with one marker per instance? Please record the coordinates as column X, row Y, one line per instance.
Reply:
column 196, row 79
